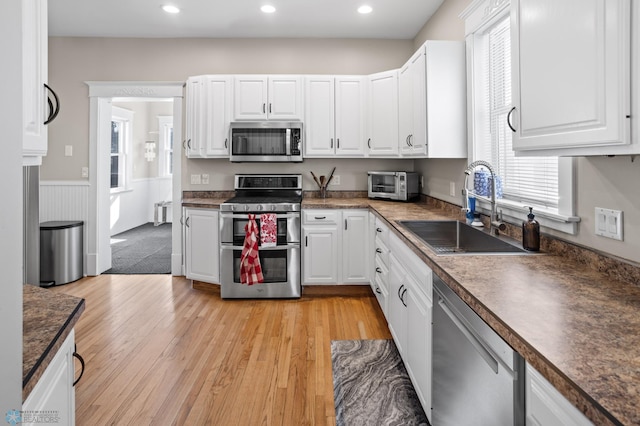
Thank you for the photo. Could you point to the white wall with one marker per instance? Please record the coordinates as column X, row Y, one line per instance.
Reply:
column 134, row 207
column 11, row 206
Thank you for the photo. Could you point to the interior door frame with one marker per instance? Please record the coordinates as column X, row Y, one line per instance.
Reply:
column 98, row 234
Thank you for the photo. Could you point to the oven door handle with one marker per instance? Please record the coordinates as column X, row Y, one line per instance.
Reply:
column 288, row 246
column 228, row 215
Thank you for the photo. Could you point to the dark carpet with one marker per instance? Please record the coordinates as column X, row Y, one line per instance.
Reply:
column 142, row 250
column 371, row 385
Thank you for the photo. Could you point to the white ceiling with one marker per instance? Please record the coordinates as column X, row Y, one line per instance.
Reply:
column 390, row 19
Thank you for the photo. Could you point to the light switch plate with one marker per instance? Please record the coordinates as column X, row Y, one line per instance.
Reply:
column 205, row 179
column 68, row 150
column 335, row 180
column 195, row 180
column 609, row 223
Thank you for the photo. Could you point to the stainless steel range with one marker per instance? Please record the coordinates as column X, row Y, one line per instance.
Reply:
column 280, row 196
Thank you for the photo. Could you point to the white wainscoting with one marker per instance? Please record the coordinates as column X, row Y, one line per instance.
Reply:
column 64, row 200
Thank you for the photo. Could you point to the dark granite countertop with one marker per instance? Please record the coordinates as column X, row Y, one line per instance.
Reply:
column 575, row 324
column 48, row 318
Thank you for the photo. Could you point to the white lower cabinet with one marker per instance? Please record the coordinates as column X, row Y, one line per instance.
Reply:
column 54, row 394
column 545, row 406
column 410, row 306
column 202, row 245
column 334, row 246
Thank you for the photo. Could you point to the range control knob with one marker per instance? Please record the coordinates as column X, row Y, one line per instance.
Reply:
column 246, row 207
column 273, row 207
column 234, row 207
column 259, row 207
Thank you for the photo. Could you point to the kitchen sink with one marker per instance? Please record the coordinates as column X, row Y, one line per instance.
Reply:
column 453, row 237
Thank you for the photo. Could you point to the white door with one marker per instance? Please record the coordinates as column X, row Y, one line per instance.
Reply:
column 218, row 115
column 383, row 114
column 349, row 104
column 396, row 306
column 355, row 246
column 320, row 255
column 195, row 126
column 250, row 98
column 418, row 137
column 202, row 245
column 319, row 116
column 570, row 73
column 285, row 98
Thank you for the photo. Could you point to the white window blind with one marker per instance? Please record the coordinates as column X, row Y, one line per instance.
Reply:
column 527, row 180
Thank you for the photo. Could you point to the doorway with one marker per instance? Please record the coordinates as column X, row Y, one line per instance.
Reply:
column 123, row 194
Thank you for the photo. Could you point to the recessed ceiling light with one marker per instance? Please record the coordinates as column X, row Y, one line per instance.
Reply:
column 170, row 9
column 365, row 9
column 267, row 8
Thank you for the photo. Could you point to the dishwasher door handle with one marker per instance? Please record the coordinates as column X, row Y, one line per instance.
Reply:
column 484, row 353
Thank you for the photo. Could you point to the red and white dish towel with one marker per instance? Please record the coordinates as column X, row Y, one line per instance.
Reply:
column 268, row 230
column 250, row 270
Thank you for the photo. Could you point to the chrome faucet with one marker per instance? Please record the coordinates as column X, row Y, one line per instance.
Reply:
column 495, row 222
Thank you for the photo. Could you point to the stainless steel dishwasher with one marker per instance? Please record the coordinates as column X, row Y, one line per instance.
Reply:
column 478, row 379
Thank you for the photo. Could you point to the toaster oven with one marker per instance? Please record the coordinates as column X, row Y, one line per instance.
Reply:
column 401, row 186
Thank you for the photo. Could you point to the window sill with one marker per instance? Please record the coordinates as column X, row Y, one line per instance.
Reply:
column 515, row 213
column 115, row 191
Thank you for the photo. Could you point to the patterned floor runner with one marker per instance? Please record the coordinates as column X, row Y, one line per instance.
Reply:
column 371, row 385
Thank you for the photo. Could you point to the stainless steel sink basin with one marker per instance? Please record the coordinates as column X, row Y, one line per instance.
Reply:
column 453, row 237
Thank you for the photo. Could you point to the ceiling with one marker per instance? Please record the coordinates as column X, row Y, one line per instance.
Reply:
column 390, row 19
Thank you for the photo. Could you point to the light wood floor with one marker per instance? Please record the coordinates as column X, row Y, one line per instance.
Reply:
column 159, row 352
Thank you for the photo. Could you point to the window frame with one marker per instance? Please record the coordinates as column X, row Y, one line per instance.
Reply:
column 165, row 124
column 125, row 117
column 478, row 17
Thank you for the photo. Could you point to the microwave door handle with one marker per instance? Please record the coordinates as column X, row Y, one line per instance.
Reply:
column 288, row 142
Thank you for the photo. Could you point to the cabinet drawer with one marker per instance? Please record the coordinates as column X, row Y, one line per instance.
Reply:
column 382, row 251
column 321, row 217
column 382, row 231
column 381, row 292
column 381, row 272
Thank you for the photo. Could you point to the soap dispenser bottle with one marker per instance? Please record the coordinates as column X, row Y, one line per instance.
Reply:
column 531, row 233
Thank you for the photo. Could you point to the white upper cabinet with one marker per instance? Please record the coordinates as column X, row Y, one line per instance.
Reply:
column 333, row 116
column 432, row 102
column 350, row 109
column 37, row 110
column 277, row 97
column 383, row 114
column 412, row 105
column 571, row 77
column 208, row 114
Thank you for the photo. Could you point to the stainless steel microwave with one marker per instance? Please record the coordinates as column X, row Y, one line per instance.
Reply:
column 266, row 141
column 401, row 186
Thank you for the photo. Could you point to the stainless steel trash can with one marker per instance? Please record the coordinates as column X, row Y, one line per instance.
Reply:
column 61, row 249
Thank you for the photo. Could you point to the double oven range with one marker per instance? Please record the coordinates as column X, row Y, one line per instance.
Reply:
column 281, row 263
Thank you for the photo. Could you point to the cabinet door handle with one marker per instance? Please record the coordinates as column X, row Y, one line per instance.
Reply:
column 320, row 217
column 509, row 119
column 399, row 290
column 264, row 108
column 269, row 107
column 378, row 230
column 378, row 270
column 402, row 297
column 331, row 142
column 188, row 143
column 345, row 224
column 77, row 355
column 186, row 222
column 378, row 290
column 181, row 220
column 410, row 140
column 226, row 144
column 406, row 140
column 369, row 143
column 378, row 250
column 306, row 241
column 53, row 112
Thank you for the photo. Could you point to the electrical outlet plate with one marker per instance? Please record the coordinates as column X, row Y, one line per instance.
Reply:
column 195, row 180
column 452, row 188
column 609, row 223
column 335, row 180
column 205, row 179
